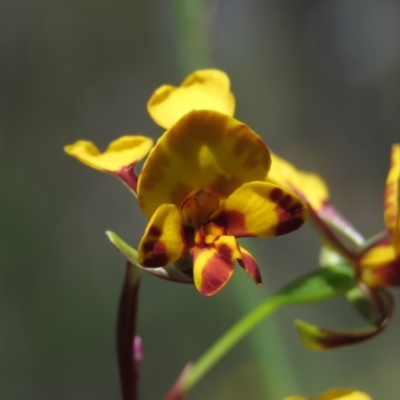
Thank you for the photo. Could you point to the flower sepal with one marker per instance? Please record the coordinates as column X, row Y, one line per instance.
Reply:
column 376, row 306
column 168, row 273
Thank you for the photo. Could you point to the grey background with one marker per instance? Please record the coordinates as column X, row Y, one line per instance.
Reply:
column 319, row 80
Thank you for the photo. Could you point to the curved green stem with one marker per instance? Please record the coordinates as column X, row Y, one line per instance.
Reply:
column 230, row 339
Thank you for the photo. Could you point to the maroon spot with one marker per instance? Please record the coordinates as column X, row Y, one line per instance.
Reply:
column 154, row 231
column 288, row 226
column 156, row 255
column 276, row 194
column 233, row 221
column 290, row 212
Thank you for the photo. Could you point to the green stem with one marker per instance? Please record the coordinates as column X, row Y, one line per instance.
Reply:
column 230, row 339
column 267, row 342
column 191, row 34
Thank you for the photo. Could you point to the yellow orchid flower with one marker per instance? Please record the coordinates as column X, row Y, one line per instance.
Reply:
column 335, row 394
column 379, row 263
column 203, row 186
column 118, row 159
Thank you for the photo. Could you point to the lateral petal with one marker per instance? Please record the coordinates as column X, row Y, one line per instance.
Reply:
column 204, row 150
column 261, row 209
column 163, row 241
column 122, row 152
column 392, row 198
column 213, row 264
column 207, row 89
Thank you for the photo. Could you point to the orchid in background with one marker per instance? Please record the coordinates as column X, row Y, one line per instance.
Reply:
column 335, row 394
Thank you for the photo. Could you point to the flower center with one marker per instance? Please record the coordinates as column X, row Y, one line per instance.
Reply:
column 199, row 207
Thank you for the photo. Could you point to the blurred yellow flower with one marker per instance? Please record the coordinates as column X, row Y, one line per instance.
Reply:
column 335, row 394
column 379, row 263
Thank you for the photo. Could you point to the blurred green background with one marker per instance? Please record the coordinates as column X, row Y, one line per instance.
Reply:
column 318, row 79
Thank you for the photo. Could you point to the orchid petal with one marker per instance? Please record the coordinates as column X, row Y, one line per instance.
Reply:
column 122, row 152
column 392, row 199
column 163, row 241
column 309, row 185
column 249, row 264
column 206, row 89
column 213, row 264
column 318, row 338
column 205, row 150
column 261, row 209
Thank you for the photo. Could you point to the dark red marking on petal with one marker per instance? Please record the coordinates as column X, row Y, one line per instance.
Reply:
column 290, row 212
column 233, row 221
column 217, row 271
column 156, row 255
column 155, row 231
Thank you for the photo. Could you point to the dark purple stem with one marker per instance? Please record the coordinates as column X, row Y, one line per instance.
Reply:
column 129, row 345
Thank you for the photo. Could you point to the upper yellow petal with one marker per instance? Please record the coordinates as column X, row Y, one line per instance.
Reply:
column 121, row 153
column 205, row 150
column 206, row 89
column 392, row 199
column 309, row 185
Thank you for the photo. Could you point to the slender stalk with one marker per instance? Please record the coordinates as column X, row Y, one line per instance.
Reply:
column 129, row 345
column 229, row 340
column 267, row 342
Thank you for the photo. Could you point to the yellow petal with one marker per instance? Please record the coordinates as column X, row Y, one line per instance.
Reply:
column 205, row 150
column 343, row 394
column 336, row 394
column 213, row 264
column 261, row 209
column 309, row 185
column 123, row 152
column 206, row 89
column 392, row 199
column 163, row 241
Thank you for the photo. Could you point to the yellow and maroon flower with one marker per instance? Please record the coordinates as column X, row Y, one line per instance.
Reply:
column 335, row 394
column 379, row 263
column 202, row 186
column 119, row 159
